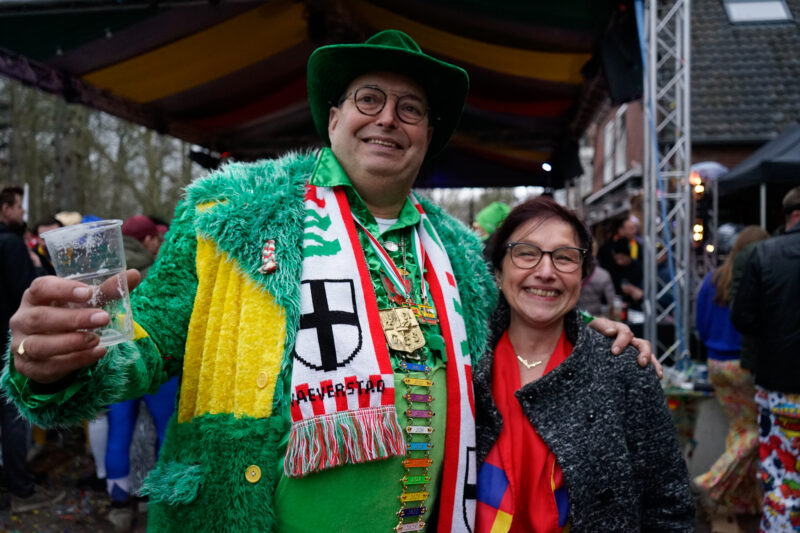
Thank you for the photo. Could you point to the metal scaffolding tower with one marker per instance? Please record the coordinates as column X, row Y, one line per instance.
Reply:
column 664, row 28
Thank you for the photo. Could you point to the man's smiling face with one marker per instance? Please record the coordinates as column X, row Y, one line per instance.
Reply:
column 379, row 147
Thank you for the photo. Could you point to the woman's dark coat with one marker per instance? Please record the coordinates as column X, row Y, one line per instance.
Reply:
column 606, row 420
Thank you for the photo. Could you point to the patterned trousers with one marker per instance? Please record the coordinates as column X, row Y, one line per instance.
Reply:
column 732, row 482
column 779, row 450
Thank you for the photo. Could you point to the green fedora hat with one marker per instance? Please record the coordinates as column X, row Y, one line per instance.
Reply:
column 331, row 69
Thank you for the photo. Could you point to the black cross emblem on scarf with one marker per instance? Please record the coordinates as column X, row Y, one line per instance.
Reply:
column 322, row 318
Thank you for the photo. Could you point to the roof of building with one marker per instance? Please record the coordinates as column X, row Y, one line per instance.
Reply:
column 745, row 77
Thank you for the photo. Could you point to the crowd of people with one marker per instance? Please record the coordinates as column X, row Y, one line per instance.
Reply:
column 109, row 435
column 747, row 319
column 321, row 349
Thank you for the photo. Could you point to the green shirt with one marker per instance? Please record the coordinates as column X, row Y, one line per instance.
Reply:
column 364, row 497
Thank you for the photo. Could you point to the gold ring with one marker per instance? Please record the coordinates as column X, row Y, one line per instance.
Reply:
column 21, row 350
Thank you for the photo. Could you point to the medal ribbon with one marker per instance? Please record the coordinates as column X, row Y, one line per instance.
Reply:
column 390, row 269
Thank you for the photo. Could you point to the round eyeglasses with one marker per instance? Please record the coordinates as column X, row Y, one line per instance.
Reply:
column 371, row 100
column 565, row 259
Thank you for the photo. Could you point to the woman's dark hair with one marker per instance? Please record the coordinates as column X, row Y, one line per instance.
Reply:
column 538, row 208
column 721, row 278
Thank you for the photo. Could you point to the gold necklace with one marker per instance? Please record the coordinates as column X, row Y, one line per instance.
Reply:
column 527, row 364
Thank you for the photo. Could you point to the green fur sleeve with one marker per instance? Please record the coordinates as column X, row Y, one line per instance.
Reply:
column 162, row 304
column 162, row 307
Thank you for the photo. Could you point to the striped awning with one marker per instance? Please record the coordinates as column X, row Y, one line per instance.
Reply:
column 230, row 75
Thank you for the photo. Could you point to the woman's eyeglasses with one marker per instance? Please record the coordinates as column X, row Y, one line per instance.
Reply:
column 565, row 259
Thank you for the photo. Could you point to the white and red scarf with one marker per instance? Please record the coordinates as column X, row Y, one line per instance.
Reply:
column 342, row 403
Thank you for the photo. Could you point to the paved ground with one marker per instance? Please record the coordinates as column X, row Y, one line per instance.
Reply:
column 747, row 524
column 83, row 510
column 63, row 465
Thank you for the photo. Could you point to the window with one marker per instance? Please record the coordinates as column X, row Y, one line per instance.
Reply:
column 621, row 141
column 615, row 139
column 743, row 11
column 608, row 152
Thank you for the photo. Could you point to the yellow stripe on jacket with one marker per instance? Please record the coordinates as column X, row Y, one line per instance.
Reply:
column 235, row 342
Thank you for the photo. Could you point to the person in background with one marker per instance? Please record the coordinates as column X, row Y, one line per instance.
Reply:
column 730, row 487
column 628, row 276
column 142, row 240
column 597, row 291
column 69, row 218
column 568, row 438
column 664, row 273
column 625, row 230
column 489, row 218
column 44, row 267
column 17, row 272
column 161, row 224
column 43, row 225
column 629, row 231
column 767, row 303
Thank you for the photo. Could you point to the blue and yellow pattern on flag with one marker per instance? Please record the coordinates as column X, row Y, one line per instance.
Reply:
column 560, row 495
column 495, row 498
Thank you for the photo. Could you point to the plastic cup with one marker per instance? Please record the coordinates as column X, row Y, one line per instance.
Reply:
column 92, row 253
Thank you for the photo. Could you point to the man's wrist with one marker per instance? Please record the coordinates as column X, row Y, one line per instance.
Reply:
column 53, row 387
column 586, row 316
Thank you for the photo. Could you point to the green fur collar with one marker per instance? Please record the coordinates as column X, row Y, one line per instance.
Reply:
column 256, row 202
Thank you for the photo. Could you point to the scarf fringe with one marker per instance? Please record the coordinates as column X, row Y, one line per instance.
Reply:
column 336, row 439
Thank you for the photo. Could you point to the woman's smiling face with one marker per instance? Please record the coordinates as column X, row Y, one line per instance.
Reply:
column 540, row 296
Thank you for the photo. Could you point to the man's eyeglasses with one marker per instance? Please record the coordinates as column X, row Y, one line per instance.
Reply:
column 371, row 100
column 565, row 259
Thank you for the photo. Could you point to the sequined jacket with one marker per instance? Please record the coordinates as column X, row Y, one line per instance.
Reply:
column 606, row 420
column 206, row 313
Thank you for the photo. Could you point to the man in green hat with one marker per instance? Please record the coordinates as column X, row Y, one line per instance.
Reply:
column 323, row 321
column 489, row 219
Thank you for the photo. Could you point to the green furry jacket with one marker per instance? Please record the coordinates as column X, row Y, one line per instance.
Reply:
column 206, row 313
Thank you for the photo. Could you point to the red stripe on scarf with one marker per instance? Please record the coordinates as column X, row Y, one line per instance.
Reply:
column 317, row 405
column 341, row 401
column 468, row 372
column 371, row 302
column 295, row 406
column 387, row 397
column 351, row 380
column 453, row 421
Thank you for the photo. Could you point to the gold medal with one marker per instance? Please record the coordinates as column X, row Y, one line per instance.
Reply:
column 401, row 329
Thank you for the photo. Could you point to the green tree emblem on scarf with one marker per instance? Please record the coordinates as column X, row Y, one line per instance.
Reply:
column 313, row 243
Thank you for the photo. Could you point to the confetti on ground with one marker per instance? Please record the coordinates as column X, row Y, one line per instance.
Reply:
column 80, row 511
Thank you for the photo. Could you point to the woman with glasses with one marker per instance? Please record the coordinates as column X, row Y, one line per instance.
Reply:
column 569, row 437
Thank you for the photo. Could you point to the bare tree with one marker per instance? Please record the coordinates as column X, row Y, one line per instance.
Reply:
column 466, row 203
column 77, row 159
